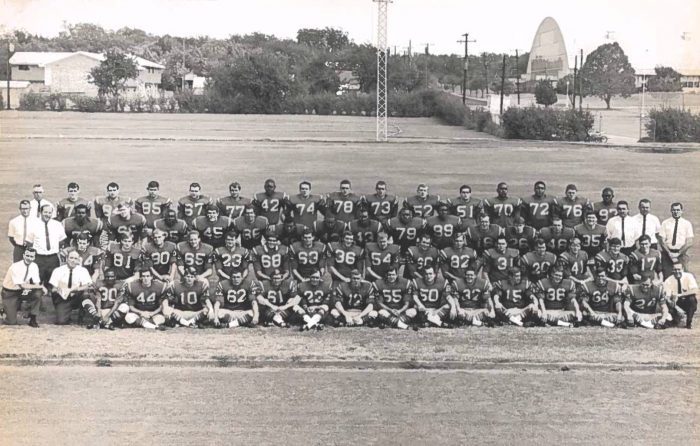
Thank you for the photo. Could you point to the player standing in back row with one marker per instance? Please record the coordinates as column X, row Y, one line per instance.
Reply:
column 422, row 204
column 344, row 203
column 193, row 205
column 270, row 203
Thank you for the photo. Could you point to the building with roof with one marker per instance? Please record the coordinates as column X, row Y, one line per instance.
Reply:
column 64, row 72
column 548, row 57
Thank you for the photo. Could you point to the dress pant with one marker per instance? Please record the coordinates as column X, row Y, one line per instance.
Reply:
column 17, row 253
column 13, row 298
column 64, row 307
column 46, row 266
column 667, row 263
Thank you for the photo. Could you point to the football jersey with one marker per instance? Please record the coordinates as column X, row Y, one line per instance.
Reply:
column 161, row 257
column 146, row 298
column 483, row 240
column 270, row 206
column 417, row 259
column 175, row 232
column 571, row 212
column 89, row 259
column 355, row 298
column 431, row 295
column 66, row 207
column 539, row 211
column 405, row 234
column 189, row 297
column 472, row 295
column 212, row 232
column 304, row 211
column 237, row 297
column 92, row 227
column 344, row 207
column 574, row 266
column 604, row 212
column 646, row 265
column 306, row 260
column 104, row 206
column 381, row 259
column 522, row 241
column 514, row 295
column 189, row 208
column 251, row 233
column 123, row 263
column 456, row 261
column 422, row 207
column 326, row 234
column 394, row 295
column 364, row 233
column 647, row 302
column 232, row 207
column 311, row 296
column 556, row 296
column 134, row 225
column 108, row 295
column 443, row 231
column 287, row 238
column 267, row 261
column 278, row 294
column 231, row 261
column 615, row 266
column 497, row 264
column 592, row 239
column 467, row 210
column 536, row 267
column 345, row 259
column 557, row 242
column 152, row 208
column 601, row 298
column 199, row 258
column 381, row 208
column 502, row 210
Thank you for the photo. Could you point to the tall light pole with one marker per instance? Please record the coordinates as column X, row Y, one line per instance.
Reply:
column 382, row 12
column 8, row 72
column 466, row 66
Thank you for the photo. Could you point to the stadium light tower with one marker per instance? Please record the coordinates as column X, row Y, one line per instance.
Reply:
column 382, row 8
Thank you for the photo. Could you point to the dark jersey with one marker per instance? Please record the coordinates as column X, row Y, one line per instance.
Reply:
column 381, row 208
column 305, row 210
column 472, row 295
column 604, row 212
column 422, row 207
column 344, row 207
column 306, row 260
column 615, row 266
column 91, row 227
column 483, row 239
column 212, row 232
column 592, row 239
column 648, row 301
column 571, row 211
column 66, row 207
column 522, row 241
column 189, row 297
column 364, row 232
column 200, row 258
column 152, row 208
column 267, row 261
column 497, row 264
column 231, row 261
column 536, row 267
column 278, row 294
column 380, row 260
column 237, row 297
column 556, row 296
column 538, row 211
column 394, row 295
column 270, row 206
column 251, row 233
column 431, row 295
column 118, row 226
column 108, row 295
column 601, row 298
column 557, row 242
column 123, row 263
column 104, row 206
column 468, row 211
column 189, row 208
column 175, row 232
column 646, row 265
column 232, row 207
column 311, row 296
column 405, row 234
column 344, row 258
column 287, row 235
column 514, row 295
column 502, row 210
column 443, row 231
column 455, row 262
column 355, row 298
column 575, row 266
column 161, row 257
column 418, row 259
column 145, row 298
column 328, row 234
column 89, row 259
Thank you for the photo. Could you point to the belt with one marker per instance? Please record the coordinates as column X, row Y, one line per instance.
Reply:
column 46, row 255
column 674, row 250
column 11, row 291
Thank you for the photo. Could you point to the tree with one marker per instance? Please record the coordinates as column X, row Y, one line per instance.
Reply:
column 666, row 79
column 320, row 77
column 328, row 39
column 111, row 75
column 545, row 93
column 607, row 72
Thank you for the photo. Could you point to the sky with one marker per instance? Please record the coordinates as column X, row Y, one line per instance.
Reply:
column 650, row 31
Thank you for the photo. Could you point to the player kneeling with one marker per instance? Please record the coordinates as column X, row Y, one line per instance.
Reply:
column 188, row 302
column 430, row 297
column 145, row 297
column 471, row 300
column 602, row 300
column 276, row 299
column 558, row 303
column 514, row 299
column 354, row 301
column 314, row 297
column 236, row 304
column 645, row 305
column 109, row 301
column 394, row 299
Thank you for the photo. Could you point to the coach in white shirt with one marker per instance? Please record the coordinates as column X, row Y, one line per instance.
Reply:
column 650, row 224
column 22, row 283
column 68, row 284
column 681, row 288
column 675, row 238
column 624, row 227
column 18, row 229
column 38, row 201
column 47, row 237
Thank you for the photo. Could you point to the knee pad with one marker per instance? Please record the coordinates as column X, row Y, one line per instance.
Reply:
column 383, row 313
column 158, row 319
column 372, row 314
column 123, row 308
column 411, row 313
column 131, row 318
column 335, row 313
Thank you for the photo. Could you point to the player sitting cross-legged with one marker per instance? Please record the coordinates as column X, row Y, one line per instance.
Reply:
column 315, row 296
column 354, row 301
column 236, row 304
column 514, row 299
column 601, row 300
column 645, row 305
column 109, row 300
column 394, row 299
column 430, row 298
column 471, row 300
column 145, row 297
column 189, row 303
column 276, row 299
column 557, row 299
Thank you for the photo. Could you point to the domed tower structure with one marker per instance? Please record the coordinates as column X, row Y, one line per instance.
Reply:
column 548, row 58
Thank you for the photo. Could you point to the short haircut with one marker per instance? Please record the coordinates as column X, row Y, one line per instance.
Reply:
column 21, row 202
column 212, row 207
column 501, row 184
column 623, row 202
column 540, row 183
column 190, row 233
column 540, row 242
column 608, row 189
column 195, row 185
column 83, row 236
column 153, row 183
column 109, row 271
column 235, row 184
column 46, row 206
column 615, row 242
column 355, row 272
column 125, row 235
column 112, row 185
column 308, row 183
column 37, row 185
column 73, row 185
column 380, row 183
column 346, row 182
column 644, row 200
column 30, row 250
column 644, row 238
column 190, row 271
column 571, row 187
column 81, row 207
column 677, row 203
column 465, row 186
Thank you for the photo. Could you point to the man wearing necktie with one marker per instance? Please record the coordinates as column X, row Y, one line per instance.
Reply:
column 681, row 289
column 47, row 237
column 22, row 283
column 38, row 201
column 675, row 239
column 622, row 226
column 17, row 230
column 649, row 223
column 67, row 285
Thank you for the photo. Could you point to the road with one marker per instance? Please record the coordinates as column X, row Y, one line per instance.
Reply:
column 186, row 405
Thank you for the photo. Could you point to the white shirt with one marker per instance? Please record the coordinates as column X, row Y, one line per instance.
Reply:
column 59, row 279
column 688, row 283
column 35, row 207
column 37, row 236
column 20, row 273
column 685, row 231
column 19, row 227
column 653, row 226
column 632, row 230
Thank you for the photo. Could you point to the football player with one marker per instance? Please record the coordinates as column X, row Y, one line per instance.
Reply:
column 536, row 264
column 514, row 299
column 576, row 263
column 105, row 205
column 212, row 227
column 329, row 230
column 231, row 258
column 422, row 204
column 270, row 257
column 483, row 236
column 405, row 229
column 572, row 207
column 233, row 205
column 393, row 297
column 601, row 300
column 270, row 203
column 497, row 261
column 615, row 263
column 343, row 258
column 288, row 232
column 382, row 206
column 457, row 259
column 354, row 301
column 502, row 209
column 558, row 300
column 344, row 203
column 557, row 237
column 443, row 227
column 188, row 303
column 109, row 300
column 193, row 205
column 152, row 205
column 539, row 208
column 605, row 209
column 380, row 257
column 195, row 254
column 145, row 297
column 645, row 305
column 91, row 258
column 315, row 296
column 681, row 290
column 276, row 299
column 80, row 224
column 591, row 234
column 645, row 263
column 175, row 228
column 471, row 300
column 307, row 256
column 419, row 257
column 363, row 228
column 123, row 221
column 465, row 206
column 65, row 207
column 305, row 207
column 123, row 257
column 521, row 236
column 250, row 228
column 237, row 304
column 430, row 297
column 162, row 255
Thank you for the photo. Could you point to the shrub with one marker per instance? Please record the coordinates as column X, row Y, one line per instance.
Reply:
column 32, row 101
column 409, row 104
column 576, row 125
column 546, row 124
column 545, row 93
column 167, row 104
column 674, row 125
column 450, row 109
column 188, row 102
column 56, row 102
column 89, row 104
column 136, row 104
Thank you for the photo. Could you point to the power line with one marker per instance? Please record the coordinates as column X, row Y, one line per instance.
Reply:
column 466, row 66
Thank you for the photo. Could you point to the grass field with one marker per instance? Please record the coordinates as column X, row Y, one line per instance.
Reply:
column 632, row 374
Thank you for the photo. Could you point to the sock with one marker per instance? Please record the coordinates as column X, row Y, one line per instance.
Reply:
column 606, row 323
column 185, row 322
column 646, row 324
column 434, row 319
column 516, row 320
column 306, row 318
column 563, row 324
column 90, row 308
column 147, row 324
column 315, row 319
column 477, row 323
column 401, row 324
column 234, row 323
column 277, row 319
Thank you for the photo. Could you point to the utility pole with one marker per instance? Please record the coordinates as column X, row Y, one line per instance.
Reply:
column 486, row 71
column 517, row 75
column 8, row 73
column 503, row 80
column 427, row 54
column 466, row 66
column 580, row 90
column 573, row 104
column 184, row 68
column 382, row 13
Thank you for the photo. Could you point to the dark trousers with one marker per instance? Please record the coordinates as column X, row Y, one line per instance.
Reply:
column 12, row 299
column 64, row 307
column 689, row 304
column 17, row 253
column 628, row 251
column 667, row 263
column 46, row 266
